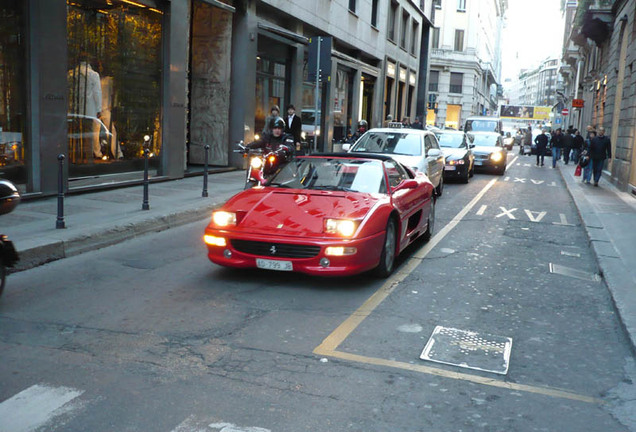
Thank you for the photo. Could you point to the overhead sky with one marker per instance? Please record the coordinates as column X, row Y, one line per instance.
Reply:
column 533, row 32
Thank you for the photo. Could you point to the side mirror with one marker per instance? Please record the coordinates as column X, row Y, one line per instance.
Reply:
column 9, row 197
column 406, row 184
column 346, row 147
column 471, row 145
column 434, row 153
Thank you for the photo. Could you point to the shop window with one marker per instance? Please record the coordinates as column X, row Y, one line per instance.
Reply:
column 13, row 146
column 114, row 81
column 270, row 88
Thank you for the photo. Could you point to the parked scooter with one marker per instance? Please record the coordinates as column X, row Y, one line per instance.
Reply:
column 9, row 199
column 262, row 165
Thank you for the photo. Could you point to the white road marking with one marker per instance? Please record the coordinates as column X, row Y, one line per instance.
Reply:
column 519, row 180
column 481, row 210
column 564, row 221
column 540, row 215
column 229, row 427
column 505, row 212
column 537, row 182
column 34, row 407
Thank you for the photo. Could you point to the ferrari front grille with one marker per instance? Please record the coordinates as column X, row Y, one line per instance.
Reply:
column 282, row 250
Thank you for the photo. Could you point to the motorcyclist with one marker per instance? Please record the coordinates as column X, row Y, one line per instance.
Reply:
column 363, row 126
column 275, row 140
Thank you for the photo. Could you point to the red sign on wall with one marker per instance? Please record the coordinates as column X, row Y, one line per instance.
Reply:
column 578, row 103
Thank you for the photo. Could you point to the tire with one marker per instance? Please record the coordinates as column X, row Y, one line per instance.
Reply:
column 472, row 170
column 387, row 257
column 440, row 187
column 502, row 171
column 466, row 178
column 430, row 228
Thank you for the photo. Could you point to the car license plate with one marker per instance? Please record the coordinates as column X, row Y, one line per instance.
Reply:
column 450, row 167
column 274, row 265
column 478, row 162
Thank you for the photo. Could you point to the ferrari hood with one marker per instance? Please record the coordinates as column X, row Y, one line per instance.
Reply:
column 296, row 213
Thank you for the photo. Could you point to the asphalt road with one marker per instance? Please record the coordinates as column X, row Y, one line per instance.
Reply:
column 149, row 335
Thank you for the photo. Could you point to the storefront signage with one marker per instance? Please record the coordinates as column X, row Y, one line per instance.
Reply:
column 578, row 103
column 412, row 78
column 525, row 112
column 402, row 74
column 390, row 70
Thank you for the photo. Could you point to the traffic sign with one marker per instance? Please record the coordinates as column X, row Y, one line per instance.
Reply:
column 565, row 112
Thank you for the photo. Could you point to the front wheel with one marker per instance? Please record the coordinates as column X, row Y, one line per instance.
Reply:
column 440, row 187
column 387, row 257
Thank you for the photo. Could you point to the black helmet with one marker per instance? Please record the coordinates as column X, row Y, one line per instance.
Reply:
column 279, row 123
column 363, row 124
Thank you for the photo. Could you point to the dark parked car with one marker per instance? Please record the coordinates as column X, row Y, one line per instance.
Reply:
column 457, row 149
column 490, row 153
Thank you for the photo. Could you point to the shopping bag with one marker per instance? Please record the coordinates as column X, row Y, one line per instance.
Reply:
column 577, row 171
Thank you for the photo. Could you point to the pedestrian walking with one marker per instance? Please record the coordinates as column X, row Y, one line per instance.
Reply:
column 542, row 145
column 274, row 113
column 417, row 124
column 577, row 146
column 527, row 141
column 600, row 149
column 584, row 160
column 556, row 142
column 568, row 143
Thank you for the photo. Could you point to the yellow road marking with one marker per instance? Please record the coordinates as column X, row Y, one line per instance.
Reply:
column 330, row 344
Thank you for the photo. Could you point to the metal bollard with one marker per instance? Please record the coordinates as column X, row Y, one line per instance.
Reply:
column 205, row 172
column 59, row 222
column 145, row 205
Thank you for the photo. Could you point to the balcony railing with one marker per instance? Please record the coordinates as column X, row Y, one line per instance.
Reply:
column 455, row 89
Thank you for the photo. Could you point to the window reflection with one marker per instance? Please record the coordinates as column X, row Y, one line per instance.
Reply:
column 114, row 80
column 12, row 96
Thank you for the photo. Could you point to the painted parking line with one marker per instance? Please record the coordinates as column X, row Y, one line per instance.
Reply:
column 330, row 344
column 36, row 406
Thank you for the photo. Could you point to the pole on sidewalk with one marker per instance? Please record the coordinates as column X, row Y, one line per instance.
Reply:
column 145, row 205
column 59, row 222
column 205, row 172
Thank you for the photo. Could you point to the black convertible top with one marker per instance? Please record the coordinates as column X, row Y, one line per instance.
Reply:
column 352, row 155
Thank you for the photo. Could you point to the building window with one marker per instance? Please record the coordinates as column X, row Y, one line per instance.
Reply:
column 12, row 92
column 393, row 7
column 461, row 5
column 433, row 81
column 459, row 40
column 405, row 21
column 437, row 4
column 114, row 81
column 414, row 37
column 456, row 80
column 374, row 13
column 352, row 6
column 435, row 37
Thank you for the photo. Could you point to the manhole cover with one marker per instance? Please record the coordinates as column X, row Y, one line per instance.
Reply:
column 579, row 274
column 468, row 349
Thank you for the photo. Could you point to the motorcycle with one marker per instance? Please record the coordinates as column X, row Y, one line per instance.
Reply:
column 9, row 199
column 263, row 164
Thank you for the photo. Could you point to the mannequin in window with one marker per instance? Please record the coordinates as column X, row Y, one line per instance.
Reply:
column 108, row 105
column 85, row 91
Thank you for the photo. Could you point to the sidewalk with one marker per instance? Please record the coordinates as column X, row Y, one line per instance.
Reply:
column 609, row 218
column 103, row 218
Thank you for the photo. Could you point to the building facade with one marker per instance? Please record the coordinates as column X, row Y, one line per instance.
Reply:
column 600, row 53
column 102, row 81
column 465, row 60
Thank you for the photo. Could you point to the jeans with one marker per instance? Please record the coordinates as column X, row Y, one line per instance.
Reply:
column 597, row 169
column 587, row 172
column 556, row 155
column 575, row 155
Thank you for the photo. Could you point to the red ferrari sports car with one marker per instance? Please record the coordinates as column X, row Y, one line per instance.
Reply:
column 329, row 214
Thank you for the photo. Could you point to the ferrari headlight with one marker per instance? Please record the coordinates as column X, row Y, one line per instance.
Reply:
column 256, row 163
column 223, row 218
column 496, row 156
column 340, row 251
column 344, row 227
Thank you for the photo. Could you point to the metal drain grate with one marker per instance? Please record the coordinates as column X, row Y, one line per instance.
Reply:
column 567, row 271
column 468, row 349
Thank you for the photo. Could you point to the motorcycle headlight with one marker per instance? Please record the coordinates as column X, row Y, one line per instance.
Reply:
column 256, row 163
column 343, row 227
column 223, row 218
column 303, row 135
column 496, row 156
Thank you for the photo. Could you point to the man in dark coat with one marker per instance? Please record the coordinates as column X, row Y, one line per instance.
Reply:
column 556, row 142
column 600, row 149
column 568, row 143
column 293, row 125
column 542, row 144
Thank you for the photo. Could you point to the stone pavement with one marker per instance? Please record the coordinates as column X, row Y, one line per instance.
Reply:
column 609, row 218
column 99, row 219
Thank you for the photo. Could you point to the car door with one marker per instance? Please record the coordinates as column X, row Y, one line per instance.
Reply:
column 406, row 201
column 434, row 159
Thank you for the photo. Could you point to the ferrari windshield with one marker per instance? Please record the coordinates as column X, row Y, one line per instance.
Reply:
column 399, row 143
column 450, row 139
column 335, row 174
